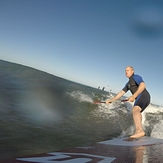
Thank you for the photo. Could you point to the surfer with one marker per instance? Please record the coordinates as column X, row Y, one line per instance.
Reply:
column 139, row 94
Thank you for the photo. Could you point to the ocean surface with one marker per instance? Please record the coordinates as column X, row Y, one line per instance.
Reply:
column 40, row 112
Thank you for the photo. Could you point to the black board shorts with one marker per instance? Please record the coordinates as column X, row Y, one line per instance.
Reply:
column 143, row 100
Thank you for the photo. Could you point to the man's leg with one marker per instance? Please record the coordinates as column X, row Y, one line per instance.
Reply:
column 137, row 117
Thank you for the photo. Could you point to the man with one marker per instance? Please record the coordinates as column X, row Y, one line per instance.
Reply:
column 139, row 94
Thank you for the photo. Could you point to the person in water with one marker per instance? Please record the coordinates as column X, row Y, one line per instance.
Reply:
column 139, row 94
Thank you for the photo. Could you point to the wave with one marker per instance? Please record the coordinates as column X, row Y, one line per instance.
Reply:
column 50, row 113
column 151, row 117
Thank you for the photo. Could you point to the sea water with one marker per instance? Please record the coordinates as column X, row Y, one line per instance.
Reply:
column 42, row 113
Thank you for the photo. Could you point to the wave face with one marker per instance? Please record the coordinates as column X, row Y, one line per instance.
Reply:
column 42, row 113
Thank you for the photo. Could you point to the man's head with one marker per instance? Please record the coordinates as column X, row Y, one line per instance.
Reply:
column 129, row 71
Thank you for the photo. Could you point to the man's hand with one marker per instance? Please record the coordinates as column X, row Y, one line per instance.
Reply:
column 120, row 94
column 108, row 101
column 131, row 99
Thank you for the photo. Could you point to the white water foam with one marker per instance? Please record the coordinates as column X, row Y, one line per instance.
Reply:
column 111, row 109
column 157, row 131
column 79, row 95
column 154, row 108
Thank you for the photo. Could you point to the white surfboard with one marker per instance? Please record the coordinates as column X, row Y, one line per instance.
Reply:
column 137, row 142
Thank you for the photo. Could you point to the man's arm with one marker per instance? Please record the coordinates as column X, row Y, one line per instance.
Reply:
column 120, row 94
column 140, row 89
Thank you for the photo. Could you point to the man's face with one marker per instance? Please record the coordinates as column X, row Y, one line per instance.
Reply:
column 129, row 72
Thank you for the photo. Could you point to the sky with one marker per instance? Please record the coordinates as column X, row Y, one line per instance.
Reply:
column 87, row 41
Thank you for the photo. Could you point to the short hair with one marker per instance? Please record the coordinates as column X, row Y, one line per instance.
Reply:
column 131, row 67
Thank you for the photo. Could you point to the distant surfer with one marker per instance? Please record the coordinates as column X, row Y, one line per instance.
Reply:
column 139, row 94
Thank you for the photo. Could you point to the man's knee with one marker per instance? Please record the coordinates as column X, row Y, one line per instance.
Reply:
column 135, row 109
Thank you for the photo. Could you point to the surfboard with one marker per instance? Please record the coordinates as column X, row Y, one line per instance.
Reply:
column 145, row 140
column 130, row 139
column 116, row 150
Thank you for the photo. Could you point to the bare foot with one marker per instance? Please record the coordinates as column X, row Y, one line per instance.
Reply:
column 138, row 135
